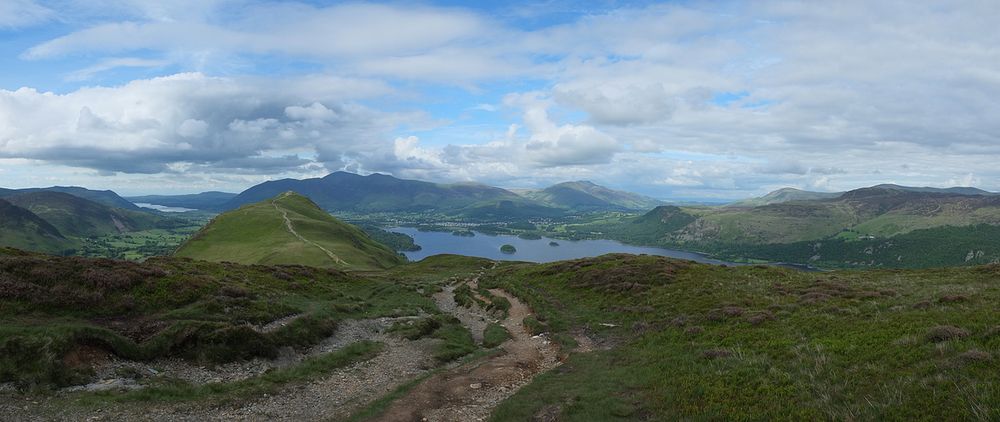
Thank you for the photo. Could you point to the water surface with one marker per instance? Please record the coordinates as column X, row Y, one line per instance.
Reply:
column 488, row 246
column 163, row 208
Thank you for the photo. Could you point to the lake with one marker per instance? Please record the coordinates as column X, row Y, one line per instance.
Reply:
column 488, row 246
column 163, row 208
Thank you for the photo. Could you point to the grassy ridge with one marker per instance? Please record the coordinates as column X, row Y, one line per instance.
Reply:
column 711, row 343
column 258, row 234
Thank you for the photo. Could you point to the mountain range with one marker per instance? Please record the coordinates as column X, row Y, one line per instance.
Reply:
column 54, row 220
column 342, row 191
column 104, row 197
column 792, row 194
column 865, row 227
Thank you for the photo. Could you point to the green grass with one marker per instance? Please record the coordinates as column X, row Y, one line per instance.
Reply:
column 258, row 234
column 456, row 341
column 696, row 342
column 495, row 335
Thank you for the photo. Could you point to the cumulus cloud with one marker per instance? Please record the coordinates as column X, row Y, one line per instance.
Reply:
column 689, row 98
column 146, row 126
column 552, row 145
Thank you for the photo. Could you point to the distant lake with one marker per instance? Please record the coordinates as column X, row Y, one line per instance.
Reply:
column 488, row 246
column 163, row 208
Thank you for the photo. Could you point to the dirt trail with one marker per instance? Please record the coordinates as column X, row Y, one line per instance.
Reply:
column 470, row 392
column 333, row 396
column 291, row 229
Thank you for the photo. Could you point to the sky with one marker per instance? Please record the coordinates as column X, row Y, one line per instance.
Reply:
column 683, row 100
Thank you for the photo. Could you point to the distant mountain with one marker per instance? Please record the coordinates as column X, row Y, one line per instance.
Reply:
column 342, row 191
column 585, row 195
column 198, row 201
column 878, row 213
column 23, row 229
column 287, row 229
column 105, row 197
column 968, row 191
column 75, row 216
column 784, row 195
column 791, row 194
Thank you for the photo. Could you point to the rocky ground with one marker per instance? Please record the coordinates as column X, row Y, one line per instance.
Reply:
column 471, row 391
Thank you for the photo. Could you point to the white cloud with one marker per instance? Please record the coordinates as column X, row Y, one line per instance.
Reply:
column 146, row 126
column 114, row 63
column 21, row 13
column 193, row 128
column 773, row 93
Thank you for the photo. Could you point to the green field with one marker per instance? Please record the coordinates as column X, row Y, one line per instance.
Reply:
column 695, row 342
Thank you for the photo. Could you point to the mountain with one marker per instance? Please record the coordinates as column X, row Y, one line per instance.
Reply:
column 968, row 191
column 784, row 195
column 105, row 197
column 791, row 194
column 75, row 216
column 884, row 225
column 342, row 191
column 585, row 195
column 198, row 201
column 23, row 229
column 287, row 229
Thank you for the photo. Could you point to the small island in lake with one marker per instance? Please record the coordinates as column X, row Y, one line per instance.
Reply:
column 463, row 233
column 508, row 249
column 553, row 243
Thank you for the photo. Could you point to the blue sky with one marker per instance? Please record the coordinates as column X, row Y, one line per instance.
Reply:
column 678, row 100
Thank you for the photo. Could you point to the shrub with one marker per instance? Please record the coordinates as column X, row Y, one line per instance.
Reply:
column 712, row 354
column 953, row 299
column 943, row 333
column 495, row 335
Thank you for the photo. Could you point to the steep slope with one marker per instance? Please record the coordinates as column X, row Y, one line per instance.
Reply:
column 342, row 191
column 785, row 195
column 75, row 216
column 104, row 197
column 287, row 229
column 585, row 195
column 198, row 201
column 22, row 229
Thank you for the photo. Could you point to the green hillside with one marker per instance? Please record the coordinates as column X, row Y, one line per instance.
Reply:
column 20, row 228
column 881, row 226
column 585, row 195
column 104, row 197
column 287, row 229
column 75, row 216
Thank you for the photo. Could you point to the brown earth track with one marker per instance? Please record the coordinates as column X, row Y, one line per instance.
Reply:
column 471, row 391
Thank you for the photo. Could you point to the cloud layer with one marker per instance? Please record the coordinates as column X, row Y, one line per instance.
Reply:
column 699, row 101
